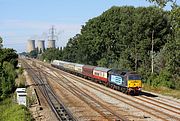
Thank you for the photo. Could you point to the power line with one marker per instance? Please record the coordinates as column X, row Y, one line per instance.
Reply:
column 52, row 34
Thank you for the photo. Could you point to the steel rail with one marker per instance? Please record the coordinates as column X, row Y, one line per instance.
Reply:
column 62, row 113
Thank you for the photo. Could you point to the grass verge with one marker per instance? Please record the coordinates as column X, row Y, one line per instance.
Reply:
column 10, row 111
column 162, row 90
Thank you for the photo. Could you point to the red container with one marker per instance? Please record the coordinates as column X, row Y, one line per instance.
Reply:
column 87, row 70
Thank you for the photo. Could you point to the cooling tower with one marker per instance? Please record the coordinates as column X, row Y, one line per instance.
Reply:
column 51, row 43
column 41, row 46
column 30, row 45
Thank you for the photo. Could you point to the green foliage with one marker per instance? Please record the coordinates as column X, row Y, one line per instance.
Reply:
column 8, row 63
column 163, row 79
column 162, row 3
column 8, row 79
column 1, row 40
column 51, row 54
column 70, row 51
column 21, row 80
column 121, row 34
column 122, row 38
column 162, row 90
column 33, row 54
column 20, row 70
column 10, row 111
column 8, row 55
column 23, row 54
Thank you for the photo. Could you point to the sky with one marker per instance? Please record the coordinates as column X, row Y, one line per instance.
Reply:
column 21, row 20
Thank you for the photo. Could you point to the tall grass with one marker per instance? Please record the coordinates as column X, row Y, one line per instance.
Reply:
column 162, row 90
column 9, row 111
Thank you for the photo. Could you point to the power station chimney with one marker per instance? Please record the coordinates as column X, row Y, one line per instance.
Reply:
column 30, row 45
column 51, row 44
column 52, row 38
column 41, row 46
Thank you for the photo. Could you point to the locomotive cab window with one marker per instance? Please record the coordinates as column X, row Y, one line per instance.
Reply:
column 134, row 77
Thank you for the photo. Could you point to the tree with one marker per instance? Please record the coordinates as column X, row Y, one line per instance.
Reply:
column 7, row 79
column 51, row 54
column 122, row 38
column 162, row 3
column 169, row 58
column 8, row 55
column 1, row 41
column 8, row 63
column 33, row 54
column 113, row 36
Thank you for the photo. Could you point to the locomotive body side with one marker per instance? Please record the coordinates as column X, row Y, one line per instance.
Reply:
column 117, row 80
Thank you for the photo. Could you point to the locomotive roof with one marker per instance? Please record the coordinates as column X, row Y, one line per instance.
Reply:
column 117, row 71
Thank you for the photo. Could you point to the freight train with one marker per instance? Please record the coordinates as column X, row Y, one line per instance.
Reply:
column 124, row 81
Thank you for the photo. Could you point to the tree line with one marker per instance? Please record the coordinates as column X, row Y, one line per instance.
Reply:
column 123, row 37
column 8, row 63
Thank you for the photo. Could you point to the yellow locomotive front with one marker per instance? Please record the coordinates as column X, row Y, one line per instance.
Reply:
column 134, row 83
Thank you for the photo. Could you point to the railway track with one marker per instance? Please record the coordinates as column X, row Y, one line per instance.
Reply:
column 92, row 101
column 58, row 108
column 164, row 100
column 153, row 109
column 158, row 109
column 159, row 104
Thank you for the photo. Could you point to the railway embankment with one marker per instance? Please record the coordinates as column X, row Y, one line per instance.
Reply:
column 10, row 111
column 162, row 91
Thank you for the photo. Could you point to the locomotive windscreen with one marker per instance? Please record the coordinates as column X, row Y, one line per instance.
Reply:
column 134, row 77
